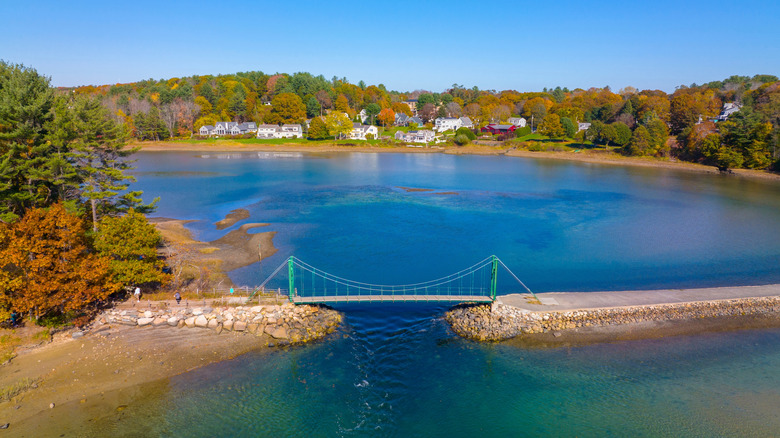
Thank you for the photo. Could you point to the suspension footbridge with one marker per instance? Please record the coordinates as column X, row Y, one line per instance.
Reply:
column 307, row 284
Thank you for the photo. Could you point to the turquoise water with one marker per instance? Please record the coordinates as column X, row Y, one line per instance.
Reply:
column 397, row 370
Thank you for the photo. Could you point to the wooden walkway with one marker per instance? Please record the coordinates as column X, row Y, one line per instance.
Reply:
column 391, row 298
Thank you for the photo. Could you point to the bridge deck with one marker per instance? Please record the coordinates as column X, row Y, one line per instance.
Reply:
column 391, row 298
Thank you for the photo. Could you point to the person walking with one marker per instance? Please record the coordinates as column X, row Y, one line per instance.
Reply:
column 137, row 293
column 177, row 296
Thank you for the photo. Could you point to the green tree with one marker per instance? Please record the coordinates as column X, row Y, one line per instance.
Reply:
column 130, row 243
column 641, row 142
column 318, row 130
column 622, row 134
column 237, row 105
column 372, row 110
column 98, row 155
column 569, row 127
column 313, row 107
column 25, row 168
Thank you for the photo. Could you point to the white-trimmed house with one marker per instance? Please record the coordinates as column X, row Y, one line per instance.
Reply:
column 290, row 131
column 517, row 121
column 466, row 122
column 228, row 128
column 442, row 124
column 419, row 136
column 359, row 132
column 284, row 131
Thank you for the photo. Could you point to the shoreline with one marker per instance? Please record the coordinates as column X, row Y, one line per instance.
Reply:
column 593, row 157
column 567, row 318
column 133, row 345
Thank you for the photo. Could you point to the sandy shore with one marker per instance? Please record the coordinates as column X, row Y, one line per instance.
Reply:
column 588, row 156
column 98, row 374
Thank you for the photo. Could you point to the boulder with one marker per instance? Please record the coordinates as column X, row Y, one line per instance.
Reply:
column 239, row 326
column 201, row 321
column 257, row 309
column 197, row 311
column 212, row 324
column 252, row 327
column 160, row 320
column 173, row 321
column 148, row 314
column 228, row 325
column 190, row 322
column 144, row 321
column 276, row 332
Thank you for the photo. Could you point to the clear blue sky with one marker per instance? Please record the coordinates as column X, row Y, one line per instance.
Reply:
column 405, row 45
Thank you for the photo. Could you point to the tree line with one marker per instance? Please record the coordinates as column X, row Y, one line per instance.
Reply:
column 646, row 122
column 71, row 231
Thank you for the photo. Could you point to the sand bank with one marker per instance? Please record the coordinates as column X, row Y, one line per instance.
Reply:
column 98, row 374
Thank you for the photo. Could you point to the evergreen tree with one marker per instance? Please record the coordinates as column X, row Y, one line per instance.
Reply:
column 313, row 107
column 98, row 153
column 25, row 166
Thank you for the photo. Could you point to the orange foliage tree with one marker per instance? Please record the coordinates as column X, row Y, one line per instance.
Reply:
column 46, row 266
column 387, row 117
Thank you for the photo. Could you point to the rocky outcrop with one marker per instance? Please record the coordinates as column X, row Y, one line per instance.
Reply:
column 497, row 322
column 279, row 324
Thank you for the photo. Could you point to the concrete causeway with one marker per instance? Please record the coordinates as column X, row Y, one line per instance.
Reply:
column 564, row 301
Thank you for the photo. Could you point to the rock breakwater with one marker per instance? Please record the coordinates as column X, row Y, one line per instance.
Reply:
column 278, row 324
column 498, row 322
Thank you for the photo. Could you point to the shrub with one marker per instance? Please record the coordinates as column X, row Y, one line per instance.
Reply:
column 369, row 136
column 467, row 132
column 461, row 139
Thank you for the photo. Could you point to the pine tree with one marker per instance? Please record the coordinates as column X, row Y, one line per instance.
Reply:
column 25, row 167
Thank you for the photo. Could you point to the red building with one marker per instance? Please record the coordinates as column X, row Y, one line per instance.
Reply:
column 495, row 128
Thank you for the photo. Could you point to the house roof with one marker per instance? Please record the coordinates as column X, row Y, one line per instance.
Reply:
column 465, row 120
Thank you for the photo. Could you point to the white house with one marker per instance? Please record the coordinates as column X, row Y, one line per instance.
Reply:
column 728, row 109
column 359, row 132
column 447, row 124
column 290, row 131
column 582, row 126
column 420, row 136
column 228, row 128
column 517, row 121
column 284, row 131
column 466, row 122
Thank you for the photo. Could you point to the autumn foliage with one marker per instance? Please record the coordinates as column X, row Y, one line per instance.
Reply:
column 47, row 266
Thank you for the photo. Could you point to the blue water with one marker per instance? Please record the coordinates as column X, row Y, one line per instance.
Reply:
column 559, row 226
column 398, row 371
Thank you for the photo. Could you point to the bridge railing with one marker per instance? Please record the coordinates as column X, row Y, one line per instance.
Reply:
column 308, row 283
